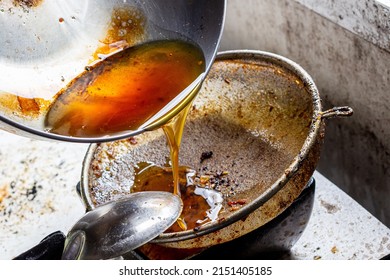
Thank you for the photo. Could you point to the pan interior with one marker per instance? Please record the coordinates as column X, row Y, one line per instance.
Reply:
column 252, row 116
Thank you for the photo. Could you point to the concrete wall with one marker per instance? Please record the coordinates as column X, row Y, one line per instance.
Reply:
column 348, row 70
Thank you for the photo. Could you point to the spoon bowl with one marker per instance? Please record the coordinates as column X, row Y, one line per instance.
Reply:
column 118, row 227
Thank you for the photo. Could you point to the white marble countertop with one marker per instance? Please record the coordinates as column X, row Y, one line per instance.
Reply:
column 38, row 197
column 340, row 228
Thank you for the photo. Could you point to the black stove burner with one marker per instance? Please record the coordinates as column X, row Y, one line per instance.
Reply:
column 273, row 239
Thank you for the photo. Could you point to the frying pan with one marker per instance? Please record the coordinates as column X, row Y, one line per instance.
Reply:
column 260, row 115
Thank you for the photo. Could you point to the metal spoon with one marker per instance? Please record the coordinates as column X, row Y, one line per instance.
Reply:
column 118, row 227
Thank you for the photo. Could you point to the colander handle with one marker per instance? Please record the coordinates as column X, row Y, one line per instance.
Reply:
column 343, row 111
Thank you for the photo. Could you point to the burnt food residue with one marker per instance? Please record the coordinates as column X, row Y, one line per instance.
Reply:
column 27, row 3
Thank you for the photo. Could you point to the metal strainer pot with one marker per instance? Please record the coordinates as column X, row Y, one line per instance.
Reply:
column 261, row 116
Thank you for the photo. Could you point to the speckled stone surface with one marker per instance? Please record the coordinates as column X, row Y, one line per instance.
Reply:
column 366, row 18
column 38, row 197
column 37, row 190
column 340, row 228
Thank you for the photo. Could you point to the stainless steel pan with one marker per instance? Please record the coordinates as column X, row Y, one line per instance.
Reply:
column 46, row 44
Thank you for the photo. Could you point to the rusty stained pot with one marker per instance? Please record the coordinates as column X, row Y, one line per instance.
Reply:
column 261, row 116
